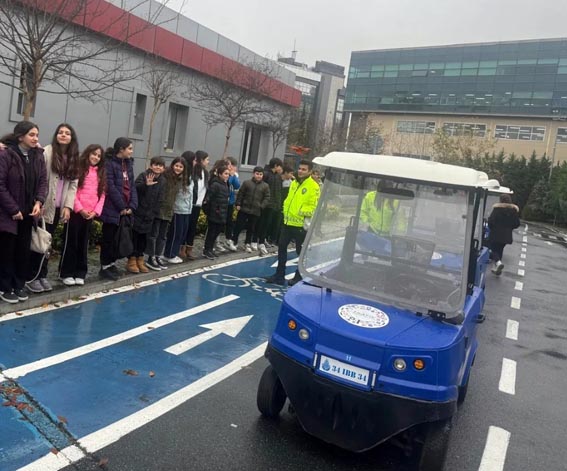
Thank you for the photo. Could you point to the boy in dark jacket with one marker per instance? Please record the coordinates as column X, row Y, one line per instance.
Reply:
column 252, row 198
column 150, row 188
column 269, row 222
column 217, row 204
column 504, row 218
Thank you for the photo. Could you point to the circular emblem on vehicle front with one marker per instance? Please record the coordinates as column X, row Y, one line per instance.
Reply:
column 365, row 316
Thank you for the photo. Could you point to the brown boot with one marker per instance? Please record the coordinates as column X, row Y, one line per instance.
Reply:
column 142, row 265
column 132, row 266
column 183, row 252
column 188, row 250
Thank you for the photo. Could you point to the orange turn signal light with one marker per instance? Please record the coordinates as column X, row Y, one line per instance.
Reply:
column 291, row 324
column 419, row 364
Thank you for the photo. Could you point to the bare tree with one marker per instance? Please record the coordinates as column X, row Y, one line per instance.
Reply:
column 49, row 46
column 239, row 95
column 278, row 125
column 458, row 148
column 162, row 82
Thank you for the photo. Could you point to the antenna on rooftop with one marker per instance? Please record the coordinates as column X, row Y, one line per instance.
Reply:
column 294, row 52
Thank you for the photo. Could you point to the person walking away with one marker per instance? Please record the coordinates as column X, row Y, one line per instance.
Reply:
column 160, row 226
column 218, row 205
column 252, row 198
column 200, row 177
column 182, row 208
column 270, row 218
column 150, row 188
column 89, row 201
column 23, row 189
column 504, row 218
column 121, row 201
column 62, row 165
column 299, row 207
column 233, row 187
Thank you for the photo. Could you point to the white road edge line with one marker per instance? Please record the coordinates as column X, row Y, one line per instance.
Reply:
column 23, row 370
column 519, row 286
column 526, row 228
column 114, row 432
column 521, row 272
column 524, row 249
column 508, row 377
column 521, row 263
column 523, row 255
column 494, row 455
column 512, row 328
column 516, row 302
column 525, row 239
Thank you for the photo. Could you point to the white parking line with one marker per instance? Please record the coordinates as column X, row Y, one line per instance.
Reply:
column 494, row 455
column 516, row 302
column 508, row 377
column 519, row 286
column 521, row 272
column 522, row 263
column 113, row 432
column 23, row 370
column 512, row 328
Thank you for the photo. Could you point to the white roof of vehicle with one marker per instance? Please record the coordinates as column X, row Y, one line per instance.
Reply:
column 404, row 168
column 493, row 187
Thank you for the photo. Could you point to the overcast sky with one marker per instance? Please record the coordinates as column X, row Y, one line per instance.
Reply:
column 330, row 29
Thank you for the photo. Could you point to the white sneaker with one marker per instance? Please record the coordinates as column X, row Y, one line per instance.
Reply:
column 231, row 246
column 254, row 245
column 174, row 260
column 497, row 270
column 247, row 248
column 69, row 281
column 219, row 247
column 79, row 281
column 263, row 249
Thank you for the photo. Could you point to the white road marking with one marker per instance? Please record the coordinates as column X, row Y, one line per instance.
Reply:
column 525, row 239
column 522, row 263
column 23, row 370
column 522, row 255
column 230, row 327
column 114, row 432
column 516, row 302
column 508, row 377
column 524, row 249
column 552, row 237
column 548, row 243
column 521, row 272
column 526, row 228
column 519, row 286
column 494, row 455
column 512, row 328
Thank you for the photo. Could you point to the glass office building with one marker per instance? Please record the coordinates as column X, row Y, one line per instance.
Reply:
column 516, row 91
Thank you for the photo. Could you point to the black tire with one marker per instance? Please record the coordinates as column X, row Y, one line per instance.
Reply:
column 435, row 445
column 463, row 391
column 271, row 395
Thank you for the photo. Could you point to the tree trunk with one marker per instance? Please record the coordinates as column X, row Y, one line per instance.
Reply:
column 227, row 139
column 151, row 129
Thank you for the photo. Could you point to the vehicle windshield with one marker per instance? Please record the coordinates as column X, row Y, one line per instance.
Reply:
column 399, row 243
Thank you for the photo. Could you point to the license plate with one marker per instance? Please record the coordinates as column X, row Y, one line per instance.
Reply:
column 345, row 371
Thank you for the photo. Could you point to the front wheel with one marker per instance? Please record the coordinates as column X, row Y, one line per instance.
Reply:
column 271, row 395
column 435, row 445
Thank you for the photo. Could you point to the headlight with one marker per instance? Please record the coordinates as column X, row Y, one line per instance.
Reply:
column 400, row 364
column 303, row 334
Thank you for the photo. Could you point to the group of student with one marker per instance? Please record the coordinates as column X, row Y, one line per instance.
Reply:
column 63, row 185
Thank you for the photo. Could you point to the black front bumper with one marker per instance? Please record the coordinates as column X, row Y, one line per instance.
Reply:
column 347, row 417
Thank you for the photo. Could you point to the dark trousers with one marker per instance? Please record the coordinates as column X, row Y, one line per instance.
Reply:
column 496, row 251
column 229, row 227
column 107, row 252
column 287, row 234
column 177, row 234
column 74, row 261
column 157, row 237
column 244, row 220
column 15, row 256
column 140, row 242
column 268, row 225
column 38, row 263
column 213, row 232
column 192, row 230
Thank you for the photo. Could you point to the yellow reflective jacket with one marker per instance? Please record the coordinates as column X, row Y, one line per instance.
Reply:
column 301, row 202
column 379, row 219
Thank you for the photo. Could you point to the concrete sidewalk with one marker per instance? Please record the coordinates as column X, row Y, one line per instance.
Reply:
column 94, row 284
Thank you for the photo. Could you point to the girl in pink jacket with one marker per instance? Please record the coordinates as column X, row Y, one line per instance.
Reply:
column 88, row 205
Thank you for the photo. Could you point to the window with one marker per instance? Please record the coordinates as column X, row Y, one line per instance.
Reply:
column 464, row 129
column 306, row 89
column 140, row 113
column 523, row 133
column 176, row 127
column 26, row 74
column 251, row 147
column 561, row 136
column 416, row 127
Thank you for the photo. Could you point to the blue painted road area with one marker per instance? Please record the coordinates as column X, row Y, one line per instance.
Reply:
column 69, row 372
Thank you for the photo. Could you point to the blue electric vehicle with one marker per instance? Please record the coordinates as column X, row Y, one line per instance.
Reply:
column 379, row 338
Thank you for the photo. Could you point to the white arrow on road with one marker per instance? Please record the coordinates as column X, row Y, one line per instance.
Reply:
column 230, row 327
